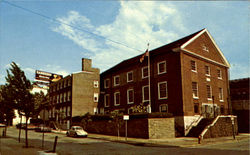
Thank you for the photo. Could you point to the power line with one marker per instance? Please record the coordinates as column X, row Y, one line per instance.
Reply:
column 74, row 27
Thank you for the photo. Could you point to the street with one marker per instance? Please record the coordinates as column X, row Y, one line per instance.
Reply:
column 71, row 146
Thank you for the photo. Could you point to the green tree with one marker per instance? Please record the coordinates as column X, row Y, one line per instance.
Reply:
column 19, row 89
column 41, row 101
column 117, row 120
column 6, row 107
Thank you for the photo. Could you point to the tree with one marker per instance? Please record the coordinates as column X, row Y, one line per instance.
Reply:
column 41, row 102
column 19, row 89
column 117, row 120
column 6, row 107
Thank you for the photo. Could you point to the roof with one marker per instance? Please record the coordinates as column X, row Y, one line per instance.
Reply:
column 168, row 47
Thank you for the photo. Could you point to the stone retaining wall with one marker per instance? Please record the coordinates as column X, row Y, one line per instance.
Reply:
column 151, row 128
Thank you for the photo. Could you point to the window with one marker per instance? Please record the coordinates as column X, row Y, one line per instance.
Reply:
column 58, row 99
column 220, row 94
column 207, row 70
column 162, row 90
column 195, row 89
column 116, row 80
column 130, row 96
column 69, row 95
column 196, row 108
column 209, row 92
column 68, row 110
column 162, row 67
column 219, row 74
column 144, row 72
column 193, row 66
column 117, row 98
column 65, row 97
column 129, row 76
column 95, row 97
column 163, row 108
column 61, row 98
column 106, row 100
column 96, row 84
column 145, row 93
column 65, row 83
column 106, row 83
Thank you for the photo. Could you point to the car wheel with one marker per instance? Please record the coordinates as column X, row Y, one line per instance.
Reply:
column 67, row 134
column 75, row 135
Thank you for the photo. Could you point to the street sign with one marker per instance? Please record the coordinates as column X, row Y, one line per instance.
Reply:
column 125, row 117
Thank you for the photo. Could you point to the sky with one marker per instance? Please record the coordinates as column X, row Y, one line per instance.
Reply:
column 54, row 35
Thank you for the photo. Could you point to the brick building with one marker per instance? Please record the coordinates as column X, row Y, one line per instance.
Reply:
column 188, row 78
column 74, row 95
column 239, row 92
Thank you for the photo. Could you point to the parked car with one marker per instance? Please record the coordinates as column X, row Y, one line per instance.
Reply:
column 76, row 131
column 42, row 128
column 2, row 125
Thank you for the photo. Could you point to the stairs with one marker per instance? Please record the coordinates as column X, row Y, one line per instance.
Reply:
column 196, row 130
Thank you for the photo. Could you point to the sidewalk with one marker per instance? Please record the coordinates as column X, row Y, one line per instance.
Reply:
column 171, row 142
column 174, row 142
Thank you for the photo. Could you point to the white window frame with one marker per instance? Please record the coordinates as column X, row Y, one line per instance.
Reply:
column 69, row 96
column 143, row 100
column 221, row 97
column 210, row 99
column 142, row 73
column 128, row 76
column 105, row 81
column 115, row 104
column 96, row 95
column 195, row 64
column 96, row 84
column 195, row 97
column 209, row 71
column 105, row 101
column 116, row 84
column 128, row 96
column 165, row 67
column 162, row 106
column 65, row 97
column 159, row 83
column 219, row 77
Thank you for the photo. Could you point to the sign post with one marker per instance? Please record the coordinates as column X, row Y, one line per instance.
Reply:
column 126, row 118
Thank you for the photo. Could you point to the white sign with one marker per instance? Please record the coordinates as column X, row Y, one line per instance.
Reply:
column 125, row 117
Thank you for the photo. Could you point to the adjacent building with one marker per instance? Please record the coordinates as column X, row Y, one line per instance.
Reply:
column 239, row 92
column 188, row 78
column 74, row 95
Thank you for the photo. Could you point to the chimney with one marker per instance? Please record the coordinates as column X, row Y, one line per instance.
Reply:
column 86, row 64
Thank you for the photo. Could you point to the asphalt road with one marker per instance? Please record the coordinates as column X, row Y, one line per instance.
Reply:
column 75, row 146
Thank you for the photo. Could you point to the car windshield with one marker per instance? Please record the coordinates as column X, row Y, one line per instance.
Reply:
column 78, row 128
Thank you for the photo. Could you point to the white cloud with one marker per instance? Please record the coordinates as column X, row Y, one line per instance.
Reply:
column 136, row 24
column 55, row 69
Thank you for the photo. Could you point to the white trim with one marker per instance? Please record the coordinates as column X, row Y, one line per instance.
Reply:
column 115, row 104
column 210, row 99
column 142, row 75
column 192, row 39
column 216, row 46
column 105, row 83
column 143, row 93
column 132, row 76
column 165, row 67
column 218, row 69
column 117, row 76
column 195, row 97
column 195, row 65
column 128, row 96
column 202, row 57
column 105, row 101
column 209, row 71
column 160, row 98
column 222, row 96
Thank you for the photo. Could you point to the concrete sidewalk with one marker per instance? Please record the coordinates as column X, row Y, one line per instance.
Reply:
column 175, row 142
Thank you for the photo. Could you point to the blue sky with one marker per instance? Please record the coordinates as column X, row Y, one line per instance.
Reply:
column 35, row 42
